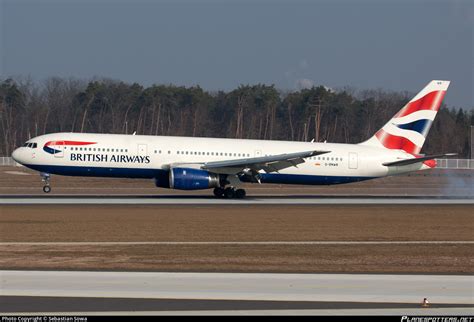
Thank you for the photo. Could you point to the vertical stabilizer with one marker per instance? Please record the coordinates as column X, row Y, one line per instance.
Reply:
column 408, row 129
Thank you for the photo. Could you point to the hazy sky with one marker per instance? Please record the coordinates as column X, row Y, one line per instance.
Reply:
column 394, row 45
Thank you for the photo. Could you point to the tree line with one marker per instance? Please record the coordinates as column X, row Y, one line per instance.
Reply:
column 29, row 109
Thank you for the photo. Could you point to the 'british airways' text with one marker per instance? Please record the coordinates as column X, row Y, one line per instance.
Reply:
column 90, row 157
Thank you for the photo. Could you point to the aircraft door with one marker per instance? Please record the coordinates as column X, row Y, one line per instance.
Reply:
column 353, row 160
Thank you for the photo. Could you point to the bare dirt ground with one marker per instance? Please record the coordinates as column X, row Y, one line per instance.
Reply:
column 457, row 183
column 56, row 223
column 440, row 259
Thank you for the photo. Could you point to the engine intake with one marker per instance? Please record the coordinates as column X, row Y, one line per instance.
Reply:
column 192, row 179
column 162, row 179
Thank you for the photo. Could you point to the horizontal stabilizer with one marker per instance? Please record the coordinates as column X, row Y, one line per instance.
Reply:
column 416, row 160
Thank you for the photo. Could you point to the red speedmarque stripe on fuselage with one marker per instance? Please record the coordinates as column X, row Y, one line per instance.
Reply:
column 68, row 143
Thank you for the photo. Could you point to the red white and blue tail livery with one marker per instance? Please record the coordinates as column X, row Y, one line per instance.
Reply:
column 188, row 163
column 408, row 129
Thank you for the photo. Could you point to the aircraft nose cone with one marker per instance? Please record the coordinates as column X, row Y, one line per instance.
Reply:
column 16, row 155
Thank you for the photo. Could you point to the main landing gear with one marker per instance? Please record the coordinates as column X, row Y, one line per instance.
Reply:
column 45, row 178
column 229, row 193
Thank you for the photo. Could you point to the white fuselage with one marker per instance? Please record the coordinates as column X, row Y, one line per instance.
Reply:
column 114, row 155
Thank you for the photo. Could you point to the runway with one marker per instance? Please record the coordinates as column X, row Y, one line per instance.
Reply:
column 134, row 291
column 206, row 200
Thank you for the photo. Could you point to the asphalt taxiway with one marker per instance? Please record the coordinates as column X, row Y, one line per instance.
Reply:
column 75, row 291
column 381, row 288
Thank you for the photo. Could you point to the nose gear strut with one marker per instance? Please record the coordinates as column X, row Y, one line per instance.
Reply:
column 45, row 178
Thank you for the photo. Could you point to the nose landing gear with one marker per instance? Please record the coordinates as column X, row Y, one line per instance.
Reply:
column 45, row 178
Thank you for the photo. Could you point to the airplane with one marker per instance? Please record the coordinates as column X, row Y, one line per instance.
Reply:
column 193, row 163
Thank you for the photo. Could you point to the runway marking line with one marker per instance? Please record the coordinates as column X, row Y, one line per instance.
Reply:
column 250, row 243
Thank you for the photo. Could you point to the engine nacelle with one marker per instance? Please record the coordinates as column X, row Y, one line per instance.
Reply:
column 162, row 179
column 192, row 179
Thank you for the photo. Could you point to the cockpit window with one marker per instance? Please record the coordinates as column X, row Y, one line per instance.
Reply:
column 30, row 145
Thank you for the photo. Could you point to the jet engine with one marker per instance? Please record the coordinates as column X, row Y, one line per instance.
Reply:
column 193, row 179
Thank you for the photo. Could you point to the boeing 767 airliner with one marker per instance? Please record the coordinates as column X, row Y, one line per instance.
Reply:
column 189, row 163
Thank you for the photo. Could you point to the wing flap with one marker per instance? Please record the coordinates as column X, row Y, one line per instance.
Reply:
column 272, row 163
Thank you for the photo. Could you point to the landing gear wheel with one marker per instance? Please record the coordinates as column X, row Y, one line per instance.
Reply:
column 229, row 193
column 240, row 193
column 219, row 192
column 45, row 178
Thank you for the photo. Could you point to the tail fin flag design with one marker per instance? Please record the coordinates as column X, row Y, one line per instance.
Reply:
column 408, row 129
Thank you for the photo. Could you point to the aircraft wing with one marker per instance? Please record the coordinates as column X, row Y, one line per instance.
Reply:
column 251, row 166
column 416, row 160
